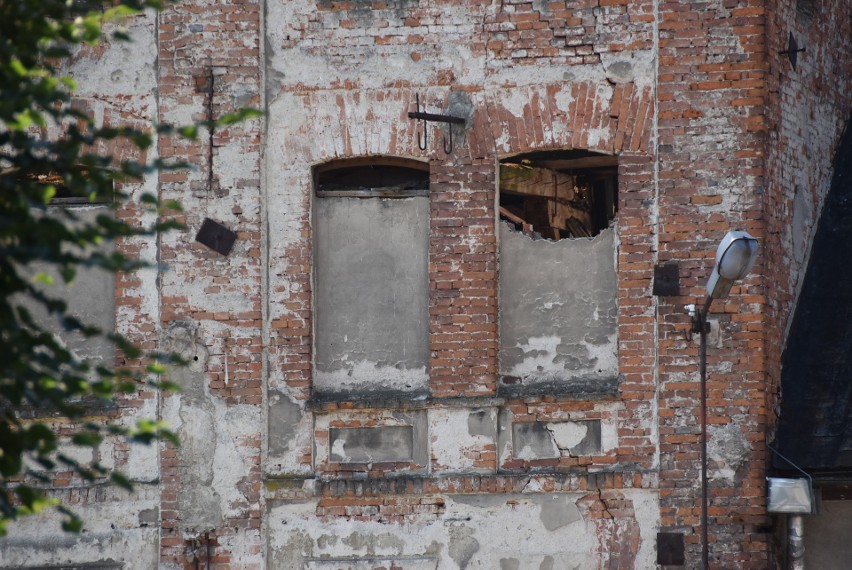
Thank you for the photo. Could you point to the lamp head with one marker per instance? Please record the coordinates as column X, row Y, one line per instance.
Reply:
column 735, row 257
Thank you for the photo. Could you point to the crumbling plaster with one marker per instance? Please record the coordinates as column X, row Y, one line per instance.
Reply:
column 471, row 531
column 212, row 462
column 558, row 308
column 120, row 528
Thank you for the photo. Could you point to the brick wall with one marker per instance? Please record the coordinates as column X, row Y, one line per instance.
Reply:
column 709, row 126
column 209, row 58
column 712, row 92
column 808, row 109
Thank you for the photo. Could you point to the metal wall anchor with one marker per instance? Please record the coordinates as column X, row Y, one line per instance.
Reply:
column 423, row 118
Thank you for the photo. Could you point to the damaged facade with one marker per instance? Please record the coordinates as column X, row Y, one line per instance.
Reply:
column 452, row 357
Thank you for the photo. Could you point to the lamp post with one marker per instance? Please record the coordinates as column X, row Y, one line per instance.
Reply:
column 735, row 256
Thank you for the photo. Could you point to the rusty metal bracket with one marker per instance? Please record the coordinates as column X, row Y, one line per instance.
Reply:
column 423, row 118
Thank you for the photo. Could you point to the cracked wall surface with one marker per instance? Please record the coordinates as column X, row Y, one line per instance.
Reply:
column 558, row 311
column 537, row 530
column 408, row 382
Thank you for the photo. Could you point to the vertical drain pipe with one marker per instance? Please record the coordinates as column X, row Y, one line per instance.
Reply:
column 796, row 541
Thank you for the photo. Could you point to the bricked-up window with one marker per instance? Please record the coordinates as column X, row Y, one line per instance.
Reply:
column 370, row 222
column 91, row 295
column 557, row 274
column 560, row 194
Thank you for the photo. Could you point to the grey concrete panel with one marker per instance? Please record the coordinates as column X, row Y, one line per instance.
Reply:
column 532, row 441
column 284, row 417
column 372, row 444
column 90, row 298
column 557, row 310
column 371, row 294
column 549, row 440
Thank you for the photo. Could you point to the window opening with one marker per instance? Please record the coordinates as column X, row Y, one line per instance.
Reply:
column 370, row 225
column 385, row 179
column 556, row 195
column 65, row 196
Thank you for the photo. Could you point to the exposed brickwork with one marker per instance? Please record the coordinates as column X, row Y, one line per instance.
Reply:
column 809, row 107
column 711, row 94
column 209, row 56
column 463, row 280
column 565, row 33
column 709, row 126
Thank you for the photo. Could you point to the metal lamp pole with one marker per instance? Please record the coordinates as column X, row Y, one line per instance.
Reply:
column 735, row 256
column 699, row 325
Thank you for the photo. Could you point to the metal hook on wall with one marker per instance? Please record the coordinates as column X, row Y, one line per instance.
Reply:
column 424, row 118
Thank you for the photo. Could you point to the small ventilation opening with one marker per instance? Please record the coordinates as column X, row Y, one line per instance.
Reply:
column 559, row 194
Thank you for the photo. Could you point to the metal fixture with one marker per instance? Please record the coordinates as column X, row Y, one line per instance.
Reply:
column 793, row 497
column 424, row 118
column 735, row 256
column 792, row 51
column 216, row 236
column 666, row 280
column 796, row 541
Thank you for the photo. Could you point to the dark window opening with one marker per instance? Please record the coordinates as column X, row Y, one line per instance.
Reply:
column 559, row 194
column 66, row 196
column 384, row 178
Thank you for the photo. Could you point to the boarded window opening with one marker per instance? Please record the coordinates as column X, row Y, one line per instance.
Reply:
column 559, row 194
column 371, row 277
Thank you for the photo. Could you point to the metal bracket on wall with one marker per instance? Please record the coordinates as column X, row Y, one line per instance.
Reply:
column 792, row 51
column 424, row 118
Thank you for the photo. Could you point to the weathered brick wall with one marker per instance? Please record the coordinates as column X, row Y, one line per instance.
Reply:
column 353, row 70
column 711, row 125
column 119, row 526
column 808, row 109
column 210, row 304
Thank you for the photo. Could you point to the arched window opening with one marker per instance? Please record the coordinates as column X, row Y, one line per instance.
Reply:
column 371, row 277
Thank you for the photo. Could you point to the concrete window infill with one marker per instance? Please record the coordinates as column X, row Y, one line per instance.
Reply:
column 371, row 228
column 558, row 283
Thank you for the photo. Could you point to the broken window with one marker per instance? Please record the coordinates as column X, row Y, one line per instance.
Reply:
column 557, row 274
column 371, row 287
column 561, row 194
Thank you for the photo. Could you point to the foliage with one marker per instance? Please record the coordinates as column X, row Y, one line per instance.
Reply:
column 47, row 145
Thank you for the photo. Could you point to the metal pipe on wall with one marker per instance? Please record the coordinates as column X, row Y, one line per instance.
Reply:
column 796, row 541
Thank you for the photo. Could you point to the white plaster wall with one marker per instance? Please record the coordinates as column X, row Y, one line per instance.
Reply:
column 120, row 528
column 533, row 530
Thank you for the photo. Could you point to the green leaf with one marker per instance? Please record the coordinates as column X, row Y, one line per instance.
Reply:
column 190, row 132
column 48, row 192
column 121, row 481
column 72, row 524
column 43, row 278
column 87, row 439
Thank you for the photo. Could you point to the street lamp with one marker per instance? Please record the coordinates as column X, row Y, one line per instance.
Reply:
column 735, row 256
